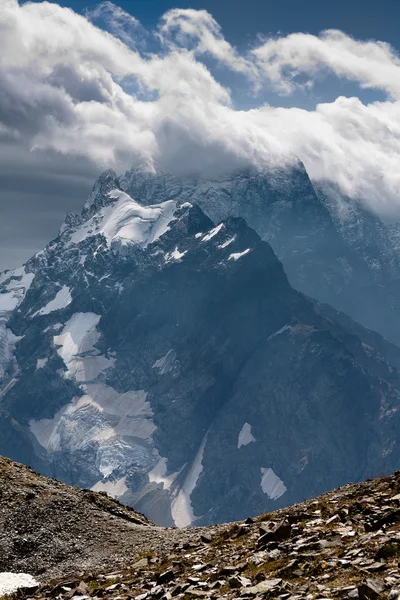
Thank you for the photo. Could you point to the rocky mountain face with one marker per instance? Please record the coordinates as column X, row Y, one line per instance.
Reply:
column 332, row 248
column 344, row 544
column 163, row 358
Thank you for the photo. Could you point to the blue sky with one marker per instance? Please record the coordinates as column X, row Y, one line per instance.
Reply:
column 241, row 20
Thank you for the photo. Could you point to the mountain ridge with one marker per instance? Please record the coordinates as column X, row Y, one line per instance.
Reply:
column 147, row 346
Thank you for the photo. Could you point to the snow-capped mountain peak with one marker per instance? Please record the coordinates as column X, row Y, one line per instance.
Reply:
column 163, row 356
column 122, row 220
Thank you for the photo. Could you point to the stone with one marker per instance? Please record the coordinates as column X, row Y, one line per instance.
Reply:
column 333, row 519
column 140, row 564
column 165, row 577
column 376, row 566
column 157, row 591
column 269, row 585
column 237, row 581
column 83, row 588
column 370, row 590
column 274, row 532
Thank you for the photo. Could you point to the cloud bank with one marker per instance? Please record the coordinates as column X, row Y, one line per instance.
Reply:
column 119, row 95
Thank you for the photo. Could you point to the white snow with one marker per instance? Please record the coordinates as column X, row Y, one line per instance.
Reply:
column 101, row 415
column 175, row 255
column 76, row 347
column 158, row 474
column 271, row 484
column 165, row 363
column 237, row 255
column 115, row 489
column 212, row 233
column 119, row 426
column 11, row 582
column 281, row 330
column 228, row 242
column 56, row 327
column 41, row 362
column 181, row 507
column 128, row 222
column 61, row 300
column 245, row 436
column 14, row 289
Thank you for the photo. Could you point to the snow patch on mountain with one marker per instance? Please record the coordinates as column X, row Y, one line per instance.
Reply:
column 118, row 427
column 227, row 243
column 75, row 345
column 237, row 255
column 245, row 436
column 166, row 363
column 127, row 222
column 181, row 507
column 115, row 424
column 158, row 474
column 281, row 330
column 13, row 288
column 271, row 484
column 115, row 489
column 61, row 300
column 41, row 362
column 212, row 233
column 175, row 255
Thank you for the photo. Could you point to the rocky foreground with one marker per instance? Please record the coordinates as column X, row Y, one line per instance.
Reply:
column 344, row 544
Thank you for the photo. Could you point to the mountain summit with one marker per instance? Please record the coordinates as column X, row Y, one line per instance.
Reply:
column 164, row 358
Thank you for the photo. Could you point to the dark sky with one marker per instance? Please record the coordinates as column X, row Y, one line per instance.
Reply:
column 37, row 190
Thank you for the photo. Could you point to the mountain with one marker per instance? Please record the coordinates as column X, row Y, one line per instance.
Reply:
column 332, row 248
column 153, row 354
column 344, row 544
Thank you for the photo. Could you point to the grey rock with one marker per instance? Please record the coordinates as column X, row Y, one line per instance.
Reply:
column 267, row 586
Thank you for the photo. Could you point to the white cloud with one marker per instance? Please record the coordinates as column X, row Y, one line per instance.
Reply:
column 200, row 28
column 372, row 64
column 72, row 88
column 123, row 25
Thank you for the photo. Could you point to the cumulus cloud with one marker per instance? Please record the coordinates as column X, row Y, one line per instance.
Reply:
column 197, row 28
column 72, row 88
column 372, row 64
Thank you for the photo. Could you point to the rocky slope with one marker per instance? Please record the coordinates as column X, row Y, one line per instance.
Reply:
column 344, row 544
column 50, row 529
column 163, row 358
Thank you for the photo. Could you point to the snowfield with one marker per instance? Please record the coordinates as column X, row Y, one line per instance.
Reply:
column 11, row 582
